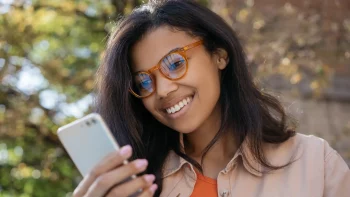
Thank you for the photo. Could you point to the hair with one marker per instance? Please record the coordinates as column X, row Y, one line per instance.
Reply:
column 248, row 112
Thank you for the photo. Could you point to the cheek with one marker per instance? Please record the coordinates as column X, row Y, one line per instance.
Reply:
column 209, row 87
column 205, row 79
column 204, row 76
column 148, row 105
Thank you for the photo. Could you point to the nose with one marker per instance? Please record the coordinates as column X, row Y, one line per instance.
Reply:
column 164, row 86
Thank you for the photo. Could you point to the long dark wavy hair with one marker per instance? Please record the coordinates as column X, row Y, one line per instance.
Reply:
column 245, row 110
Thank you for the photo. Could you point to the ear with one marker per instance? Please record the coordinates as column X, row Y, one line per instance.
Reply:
column 221, row 58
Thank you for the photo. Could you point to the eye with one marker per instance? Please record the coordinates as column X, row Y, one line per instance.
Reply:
column 175, row 65
column 173, row 61
column 145, row 84
column 143, row 81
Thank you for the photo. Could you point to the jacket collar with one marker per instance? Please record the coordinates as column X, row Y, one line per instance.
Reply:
column 174, row 162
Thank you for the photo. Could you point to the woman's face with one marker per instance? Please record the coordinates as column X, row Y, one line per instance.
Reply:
column 198, row 90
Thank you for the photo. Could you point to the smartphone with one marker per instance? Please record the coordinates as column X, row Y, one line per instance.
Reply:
column 87, row 140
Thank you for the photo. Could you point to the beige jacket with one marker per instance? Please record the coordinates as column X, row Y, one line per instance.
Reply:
column 318, row 171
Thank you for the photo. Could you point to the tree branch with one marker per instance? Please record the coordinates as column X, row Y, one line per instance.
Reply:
column 60, row 9
column 4, row 68
column 119, row 6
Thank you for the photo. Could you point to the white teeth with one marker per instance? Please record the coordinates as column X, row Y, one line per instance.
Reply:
column 179, row 106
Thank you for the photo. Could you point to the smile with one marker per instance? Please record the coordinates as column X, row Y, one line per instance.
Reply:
column 177, row 107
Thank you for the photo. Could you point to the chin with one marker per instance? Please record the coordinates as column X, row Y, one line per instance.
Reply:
column 185, row 128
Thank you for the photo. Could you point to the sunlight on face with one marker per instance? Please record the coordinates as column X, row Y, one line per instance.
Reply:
column 184, row 104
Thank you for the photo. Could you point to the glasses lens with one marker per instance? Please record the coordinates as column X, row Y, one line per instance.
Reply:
column 173, row 66
column 142, row 84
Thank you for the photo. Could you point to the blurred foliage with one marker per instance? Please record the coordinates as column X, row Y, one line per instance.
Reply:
column 49, row 52
column 302, row 49
column 301, row 53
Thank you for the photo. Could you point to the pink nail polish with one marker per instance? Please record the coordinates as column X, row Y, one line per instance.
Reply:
column 153, row 188
column 141, row 163
column 125, row 150
column 150, row 178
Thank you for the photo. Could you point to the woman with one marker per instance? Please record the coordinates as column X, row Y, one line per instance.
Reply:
column 174, row 86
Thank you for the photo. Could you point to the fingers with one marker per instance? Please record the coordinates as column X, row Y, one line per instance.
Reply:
column 131, row 187
column 111, row 161
column 107, row 180
column 149, row 191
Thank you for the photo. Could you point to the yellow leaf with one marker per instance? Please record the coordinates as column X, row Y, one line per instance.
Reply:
column 295, row 78
column 285, row 61
column 315, row 85
column 68, row 5
column 258, row 24
column 242, row 15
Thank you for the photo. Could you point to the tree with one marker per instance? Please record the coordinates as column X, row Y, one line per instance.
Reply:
column 49, row 52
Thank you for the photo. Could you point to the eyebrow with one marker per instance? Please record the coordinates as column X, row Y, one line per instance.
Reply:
column 172, row 50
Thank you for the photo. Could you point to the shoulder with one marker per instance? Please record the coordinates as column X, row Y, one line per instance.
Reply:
column 298, row 147
column 309, row 141
column 312, row 145
column 313, row 161
column 320, row 156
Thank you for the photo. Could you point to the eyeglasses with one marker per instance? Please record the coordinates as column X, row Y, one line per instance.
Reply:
column 173, row 66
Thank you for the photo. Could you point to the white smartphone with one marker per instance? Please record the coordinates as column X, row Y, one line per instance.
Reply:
column 87, row 141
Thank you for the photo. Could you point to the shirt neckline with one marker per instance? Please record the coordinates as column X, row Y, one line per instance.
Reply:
column 174, row 162
column 205, row 178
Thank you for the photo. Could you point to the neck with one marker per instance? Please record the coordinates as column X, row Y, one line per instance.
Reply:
column 219, row 154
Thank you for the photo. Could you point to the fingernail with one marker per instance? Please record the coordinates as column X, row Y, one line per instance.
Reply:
column 125, row 150
column 150, row 178
column 153, row 188
column 141, row 163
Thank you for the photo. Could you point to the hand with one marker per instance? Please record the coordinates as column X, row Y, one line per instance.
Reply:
column 106, row 178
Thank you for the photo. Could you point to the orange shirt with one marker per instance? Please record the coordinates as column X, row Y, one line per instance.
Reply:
column 204, row 186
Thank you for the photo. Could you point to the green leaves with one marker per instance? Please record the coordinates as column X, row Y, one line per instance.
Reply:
column 49, row 52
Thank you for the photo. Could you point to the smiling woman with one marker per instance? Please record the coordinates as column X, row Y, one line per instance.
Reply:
column 174, row 84
column 193, row 85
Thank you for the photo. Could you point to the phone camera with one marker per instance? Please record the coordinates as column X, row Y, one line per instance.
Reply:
column 93, row 121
